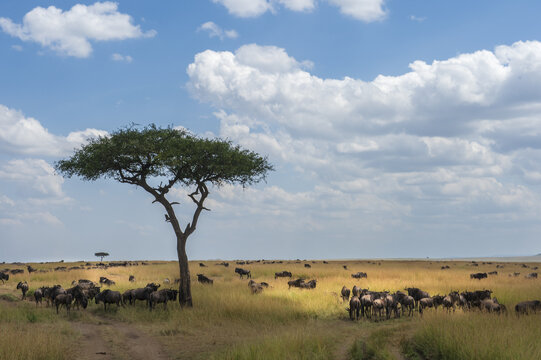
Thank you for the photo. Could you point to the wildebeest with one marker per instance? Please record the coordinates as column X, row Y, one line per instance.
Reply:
column 109, row 297
column 359, row 275
column 354, row 308
column 490, row 305
column 406, row 302
column 345, row 294
column 226, row 264
column 282, row 274
column 24, row 288
column 295, row 283
column 445, row 267
column 127, row 297
column 424, row 303
column 345, row 267
column 162, row 296
column 255, row 287
column 308, row 285
column 478, row 276
column 531, row 275
column 38, row 295
column 243, row 272
column 4, row 276
column 202, row 265
column 493, row 273
column 417, row 294
column 307, row 265
column 63, row 299
column 30, row 269
column 526, row 307
column 450, row 300
column 108, row 282
column 77, row 292
column 204, row 280
column 131, row 278
column 16, row 271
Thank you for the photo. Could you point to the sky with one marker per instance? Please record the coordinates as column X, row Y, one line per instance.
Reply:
column 397, row 129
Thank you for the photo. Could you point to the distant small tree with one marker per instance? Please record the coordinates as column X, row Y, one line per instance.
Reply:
column 168, row 156
column 101, row 255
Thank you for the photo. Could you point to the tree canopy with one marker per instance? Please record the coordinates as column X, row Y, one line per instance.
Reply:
column 150, row 155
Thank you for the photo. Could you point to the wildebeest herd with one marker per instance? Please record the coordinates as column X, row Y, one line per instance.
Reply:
column 363, row 303
column 383, row 304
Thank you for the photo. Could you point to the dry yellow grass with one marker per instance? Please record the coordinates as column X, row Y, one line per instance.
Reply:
column 229, row 322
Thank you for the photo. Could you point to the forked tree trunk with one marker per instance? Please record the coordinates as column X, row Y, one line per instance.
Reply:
column 184, row 290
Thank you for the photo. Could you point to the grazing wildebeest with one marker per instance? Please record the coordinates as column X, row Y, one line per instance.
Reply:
column 493, row 273
column 131, row 278
column 127, row 297
column 109, row 297
column 16, row 271
column 30, row 269
column 224, row 264
column 63, row 299
column 391, row 305
column 202, row 265
column 243, row 272
column 359, row 275
column 307, row 265
column 204, row 280
column 4, row 276
column 531, row 275
column 24, row 288
column 450, row 300
column 345, row 294
column 438, row 300
column 295, row 283
column 38, row 295
column 478, row 276
column 345, row 267
column 366, row 305
column 354, row 308
column 104, row 280
column 526, row 307
column 77, row 292
column 283, row 274
column 406, row 302
column 424, row 303
column 417, row 295
column 378, row 304
column 309, row 285
column 490, row 305
column 255, row 287
column 162, row 296
column 325, row 262
column 445, row 267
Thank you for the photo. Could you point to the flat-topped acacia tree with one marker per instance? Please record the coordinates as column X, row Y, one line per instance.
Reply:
column 151, row 155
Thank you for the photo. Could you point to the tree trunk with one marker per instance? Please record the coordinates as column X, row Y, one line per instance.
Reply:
column 185, row 289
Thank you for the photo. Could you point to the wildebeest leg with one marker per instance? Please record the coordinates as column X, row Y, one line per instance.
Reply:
column 57, row 305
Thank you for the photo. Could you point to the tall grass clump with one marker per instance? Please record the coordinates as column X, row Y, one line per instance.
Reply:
column 296, row 346
column 475, row 336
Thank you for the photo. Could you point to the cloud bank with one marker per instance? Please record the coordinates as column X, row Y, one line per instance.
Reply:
column 453, row 141
column 70, row 32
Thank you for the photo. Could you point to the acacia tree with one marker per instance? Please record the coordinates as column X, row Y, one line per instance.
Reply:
column 101, row 255
column 156, row 159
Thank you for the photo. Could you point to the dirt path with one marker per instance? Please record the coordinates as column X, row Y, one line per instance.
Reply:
column 110, row 339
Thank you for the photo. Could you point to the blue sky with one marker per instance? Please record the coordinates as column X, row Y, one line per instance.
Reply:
column 397, row 128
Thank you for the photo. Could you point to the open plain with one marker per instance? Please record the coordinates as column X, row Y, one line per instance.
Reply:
column 227, row 321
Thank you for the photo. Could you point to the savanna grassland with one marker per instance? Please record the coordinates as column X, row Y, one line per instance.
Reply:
column 228, row 322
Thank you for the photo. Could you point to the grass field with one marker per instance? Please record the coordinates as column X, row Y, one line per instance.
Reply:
column 228, row 322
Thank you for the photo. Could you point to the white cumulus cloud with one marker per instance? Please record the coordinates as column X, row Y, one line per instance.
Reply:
column 451, row 137
column 71, row 32
column 364, row 10
column 26, row 135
